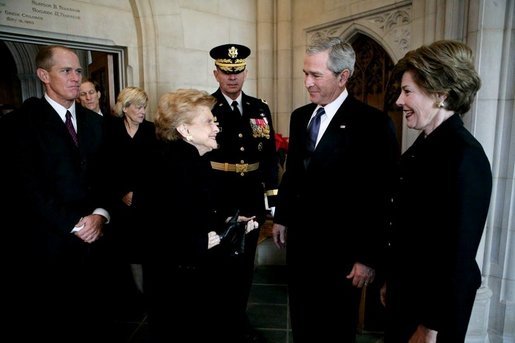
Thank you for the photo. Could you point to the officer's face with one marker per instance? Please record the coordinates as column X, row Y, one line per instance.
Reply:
column 230, row 84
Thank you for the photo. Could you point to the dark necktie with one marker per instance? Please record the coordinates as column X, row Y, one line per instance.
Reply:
column 313, row 128
column 235, row 108
column 71, row 129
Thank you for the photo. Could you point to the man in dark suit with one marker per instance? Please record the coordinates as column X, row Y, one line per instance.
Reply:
column 332, row 197
column 245, row 168
column 51, row 179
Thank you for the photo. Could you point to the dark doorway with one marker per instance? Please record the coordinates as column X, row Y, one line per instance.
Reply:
column 371, row 80
column 19, row 82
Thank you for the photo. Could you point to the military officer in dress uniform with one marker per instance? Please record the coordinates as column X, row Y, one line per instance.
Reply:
column 245, row 168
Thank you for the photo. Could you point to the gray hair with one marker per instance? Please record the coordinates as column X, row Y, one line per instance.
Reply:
column 341, row 55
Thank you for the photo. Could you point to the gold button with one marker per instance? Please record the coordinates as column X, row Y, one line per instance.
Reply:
column 240, row 135
column 242, row 149
column 242, row 174
column 242, row 161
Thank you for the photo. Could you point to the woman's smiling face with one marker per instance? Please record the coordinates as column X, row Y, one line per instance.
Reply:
column 419, row 107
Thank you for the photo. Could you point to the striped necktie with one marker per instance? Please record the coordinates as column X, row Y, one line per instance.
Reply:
column 71, row 129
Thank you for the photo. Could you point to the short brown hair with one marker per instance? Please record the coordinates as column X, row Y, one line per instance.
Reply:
column 443, row 67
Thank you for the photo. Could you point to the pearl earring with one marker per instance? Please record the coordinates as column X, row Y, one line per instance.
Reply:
column 441, row 104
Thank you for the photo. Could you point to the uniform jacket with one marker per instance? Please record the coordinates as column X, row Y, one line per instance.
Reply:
column 247, row 139
column 55, row 183
column 336, row 206
column 443, row 200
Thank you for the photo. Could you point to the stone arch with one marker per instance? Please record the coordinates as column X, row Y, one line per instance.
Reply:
column 24, row 55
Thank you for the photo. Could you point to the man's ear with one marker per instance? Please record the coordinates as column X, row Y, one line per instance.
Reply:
column 344, row 76
column 42, row 75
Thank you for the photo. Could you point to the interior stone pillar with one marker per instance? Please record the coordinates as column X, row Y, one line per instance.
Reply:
column 284, row 66
column 265, row 53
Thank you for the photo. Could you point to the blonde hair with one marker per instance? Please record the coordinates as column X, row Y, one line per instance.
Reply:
column 178, row 108
column 129, row 96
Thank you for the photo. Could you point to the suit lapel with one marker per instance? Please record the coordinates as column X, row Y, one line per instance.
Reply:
column 335, row 137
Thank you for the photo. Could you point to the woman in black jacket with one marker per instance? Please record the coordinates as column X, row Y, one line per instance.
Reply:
column 442, row 203
column 180, row 276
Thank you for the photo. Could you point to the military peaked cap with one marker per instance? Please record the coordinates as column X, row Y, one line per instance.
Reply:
column 230, row 58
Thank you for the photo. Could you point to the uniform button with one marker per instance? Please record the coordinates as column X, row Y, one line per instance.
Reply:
column 242, row 149
column 390, row 223
column 391, row 200
column 240, row 135
column 242, row 161
column 242, row 174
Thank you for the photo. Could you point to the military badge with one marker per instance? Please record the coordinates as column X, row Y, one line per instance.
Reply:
column 260, row 128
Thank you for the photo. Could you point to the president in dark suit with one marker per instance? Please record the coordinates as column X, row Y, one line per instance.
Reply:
column 332, row 197
column 50, row 175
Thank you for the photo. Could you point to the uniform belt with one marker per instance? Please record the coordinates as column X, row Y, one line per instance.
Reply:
column 237, row 168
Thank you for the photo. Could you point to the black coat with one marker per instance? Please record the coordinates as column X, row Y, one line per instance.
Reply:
column 48, row 184
column 336, row 206
column 444, row 194
column 334, row 211
column 180, row 281
column 56, row 182
column 127, row 160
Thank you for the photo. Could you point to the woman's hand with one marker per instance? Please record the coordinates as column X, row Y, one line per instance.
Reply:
column 212, row 239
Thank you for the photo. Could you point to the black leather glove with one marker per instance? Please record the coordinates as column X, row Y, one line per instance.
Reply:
column 233, row 235
column 229, row 232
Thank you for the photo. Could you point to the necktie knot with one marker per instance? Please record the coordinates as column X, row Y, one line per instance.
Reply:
column 71, row 129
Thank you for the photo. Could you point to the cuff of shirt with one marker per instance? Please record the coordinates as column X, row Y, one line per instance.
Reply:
column 103, row 213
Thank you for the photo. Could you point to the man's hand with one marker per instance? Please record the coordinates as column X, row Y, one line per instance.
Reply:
column 279, row 234
column 90, row 228
column 361, row 275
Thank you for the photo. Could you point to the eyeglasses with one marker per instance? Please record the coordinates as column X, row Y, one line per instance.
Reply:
column 91, row 92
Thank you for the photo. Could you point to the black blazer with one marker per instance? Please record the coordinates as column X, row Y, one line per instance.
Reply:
column 443, row 200
column 52, row 183
column 336, row 205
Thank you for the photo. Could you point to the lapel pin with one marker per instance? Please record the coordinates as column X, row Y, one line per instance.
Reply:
column 342, row 126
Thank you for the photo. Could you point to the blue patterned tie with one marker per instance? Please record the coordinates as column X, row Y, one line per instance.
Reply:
column 71, row 129
column 313, row 128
